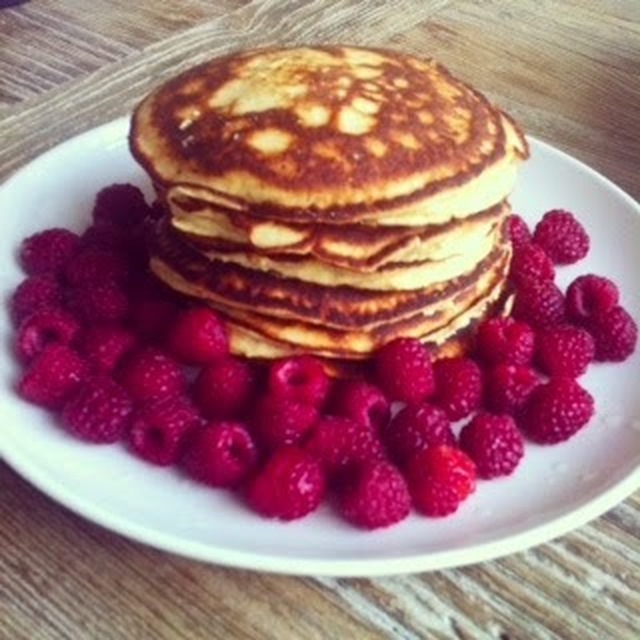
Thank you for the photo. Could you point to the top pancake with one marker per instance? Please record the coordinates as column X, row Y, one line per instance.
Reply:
column 329, row 134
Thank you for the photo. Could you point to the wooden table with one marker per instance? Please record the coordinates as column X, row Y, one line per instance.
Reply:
column 569, row 71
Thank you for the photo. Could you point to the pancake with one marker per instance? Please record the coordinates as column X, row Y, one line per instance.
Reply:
column 336, row 134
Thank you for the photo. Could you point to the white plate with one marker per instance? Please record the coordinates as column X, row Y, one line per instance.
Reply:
column 553, row 491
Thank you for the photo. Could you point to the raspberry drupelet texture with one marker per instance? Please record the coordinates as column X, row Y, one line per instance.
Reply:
column 44, row 327
column 221, row 454
column 105, row 345
column 494, row 443
column 47, row 252
column 615, row 334
column 301, row 378
column 508, row 387
column 414, row 428
column 99, row 302
column 198, row 337
column 505, row 340
column 289, row 486
column 361, row 401
column 99, row 411
column 556, row 411
column 530, row 264
column 590, row 294
column 519, row 232
column 404, row 371
column 91, row 266
column 375, row 496
column 458, row 386
column 563, row 238
column 225, row 388
column 440, row 479
column 565, row 351
column 33, row 294
column 161, row 428
column 540, row 305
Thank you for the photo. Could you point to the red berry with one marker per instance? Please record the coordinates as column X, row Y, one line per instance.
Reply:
column 279, row 420
column 339, row 443
column 102, row 302
column 53, row 376
column 48, row 251
column 440, row 479
column 91, row 266
column 198, row 337
column 556, row 411
column 362, row 402
column 160, row 429
column 530, row 264
column 34, row 293
column 504, row 339
column 99, row 411
column 414, row 428
column 458, row 386
column 565, row 351
column 541, row 305
column 107, row 237
column 222, row 454
column 150, row 373
column 615, row 334
column 289, row 486
column 508, row 387
column 494, row 443
column 105, row 345
column 562, row 237
column 302, row 378
column 375, row 496
column 404, row 371
column 590, row 294
column 120, row 204
column 225, row 388
column 44, row 327
column 519, row 231
column 152, row 316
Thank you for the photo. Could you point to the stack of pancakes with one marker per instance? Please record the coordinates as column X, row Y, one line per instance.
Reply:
column 327, row 200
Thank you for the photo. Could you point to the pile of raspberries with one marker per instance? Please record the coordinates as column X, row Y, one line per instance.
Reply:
column 117, row 357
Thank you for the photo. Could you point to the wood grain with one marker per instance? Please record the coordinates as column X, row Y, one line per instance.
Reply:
column 567, row 70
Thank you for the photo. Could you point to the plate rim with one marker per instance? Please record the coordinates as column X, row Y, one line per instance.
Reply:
column 556, row 526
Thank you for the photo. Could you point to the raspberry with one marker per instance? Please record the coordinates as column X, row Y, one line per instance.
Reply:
column 458, row 386
column 589, row 294
column 494, row 443
column 565, row 351
column 556, row 411
column 222, row 454
column 562, row 237
column 279, row 420
column 302, row 378
column 504, row 339
column 151, row 373
column 91, row 266
column 32, row 294
column 508, row 387
column 289, row 486
column 197, row 337
column 53, row 376
column 48, row 251
column 161, row 427
column 99, row 411
column 225, row 388
column 44, row 327
column 362, row 402
column 615, row 334
column 152, row 316
column 404, row 371
column 414, row 428
column 339, row 443
column 519, row 231
column 105, row 345
column 120, row 204
column 541, row 305
column 102, row 302
column 106, row 237
column 530, row 264
column 440, row 479
column 376, row 496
